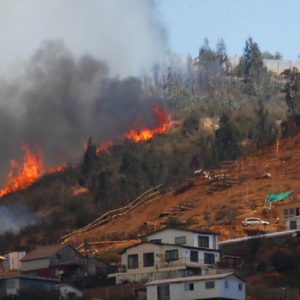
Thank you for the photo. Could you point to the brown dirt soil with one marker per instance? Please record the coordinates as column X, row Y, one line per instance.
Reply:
column 246, row 196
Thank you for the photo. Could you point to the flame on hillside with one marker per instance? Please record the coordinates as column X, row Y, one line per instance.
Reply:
column 162, row 124
column 23, row 175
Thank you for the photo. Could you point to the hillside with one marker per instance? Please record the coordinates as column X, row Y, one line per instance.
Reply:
column 238, row 187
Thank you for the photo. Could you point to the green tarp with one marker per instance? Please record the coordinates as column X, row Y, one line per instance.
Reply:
column 278, row 197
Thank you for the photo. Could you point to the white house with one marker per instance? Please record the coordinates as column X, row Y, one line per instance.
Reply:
column 214, row 286
column 13, row 260
column 186, row 237
column 168, row 253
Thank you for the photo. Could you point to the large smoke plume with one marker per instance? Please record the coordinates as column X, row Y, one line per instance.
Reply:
column 69, row 90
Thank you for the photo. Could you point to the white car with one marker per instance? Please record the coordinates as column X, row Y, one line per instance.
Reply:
column 254, row 221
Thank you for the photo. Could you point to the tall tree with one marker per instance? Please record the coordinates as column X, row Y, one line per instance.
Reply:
column 292, row 89
column 227, row 139
column 251, row 67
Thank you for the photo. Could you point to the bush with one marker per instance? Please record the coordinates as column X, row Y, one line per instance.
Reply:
column 281, row 261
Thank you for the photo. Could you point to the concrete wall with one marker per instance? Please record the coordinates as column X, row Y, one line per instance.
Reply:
column 35, row 264
column 178, row 292
column 276, row 66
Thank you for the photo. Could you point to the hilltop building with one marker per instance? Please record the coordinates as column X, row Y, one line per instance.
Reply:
column 169, row 253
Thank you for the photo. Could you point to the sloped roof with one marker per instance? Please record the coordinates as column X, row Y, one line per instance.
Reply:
column 172, row 245
column 42, row 252
column 182, row 229
column 194, row 278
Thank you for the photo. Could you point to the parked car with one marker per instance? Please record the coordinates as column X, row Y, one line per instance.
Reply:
column 254, row 221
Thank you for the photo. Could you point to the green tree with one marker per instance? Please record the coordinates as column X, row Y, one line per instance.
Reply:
column 227, row 139
column 251, row 67
column 291, row 89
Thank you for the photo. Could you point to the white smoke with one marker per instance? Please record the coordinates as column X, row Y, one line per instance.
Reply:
column 127, row 34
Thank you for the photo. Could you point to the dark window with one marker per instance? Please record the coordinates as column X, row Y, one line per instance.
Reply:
column 286, row 212
column 133, row 261
column 163, row 292
column 203, row 241
column 148, row 259
column 58, row 256
column 171, row 255
column 292, row 212
column 209, row 258
column 293, row 225
column 156, row 241
column 297, row 211
column 180, row 240
column 209, row 284
column 240, row 286
column 188, row 287
column 194, row 256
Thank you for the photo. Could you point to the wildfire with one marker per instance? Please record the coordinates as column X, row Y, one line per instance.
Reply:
column 104, row 146
column 162, row 124
column 23, row 175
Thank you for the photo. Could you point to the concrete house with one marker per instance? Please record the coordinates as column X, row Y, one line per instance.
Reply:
column 291, row 215
column 13, row 260
column 10, row 285
column 214, row 286
column 168, row 253
column 55, row 261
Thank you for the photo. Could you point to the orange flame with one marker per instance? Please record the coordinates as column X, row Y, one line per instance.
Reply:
column 104, row 146
column 162, row 124
column 21, row 176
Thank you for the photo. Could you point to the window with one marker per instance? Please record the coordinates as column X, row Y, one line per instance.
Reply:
column 189, row 287
column 240, row 286
column 194, row 256
column 209, row 258
column 163, row 292
column 180, row 240
column 156, row 241
column 203, row 241
column 226, row 284
column 209, row 284
column 133, row 261
column 58, row 256
column 148, row 259
column 297, row 211
column 171, row 255
column 293, row 225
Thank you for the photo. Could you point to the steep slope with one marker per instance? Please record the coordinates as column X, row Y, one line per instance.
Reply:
column 208, row 203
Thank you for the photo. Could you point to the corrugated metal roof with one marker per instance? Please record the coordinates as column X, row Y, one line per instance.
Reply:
column 42, row 252
column 193, row 278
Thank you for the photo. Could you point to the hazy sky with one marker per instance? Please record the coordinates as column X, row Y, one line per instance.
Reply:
column 127, row 34
column 273, row 24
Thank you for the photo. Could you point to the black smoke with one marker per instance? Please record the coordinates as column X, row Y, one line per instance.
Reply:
column 59, row 101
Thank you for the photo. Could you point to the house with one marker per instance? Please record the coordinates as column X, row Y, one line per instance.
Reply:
column 10, row 285
column 95, row 266
column 291, row 215
column 168, row 253
column 2, row 260
column 213, row 286
column 13, row 260
column 55, row 261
